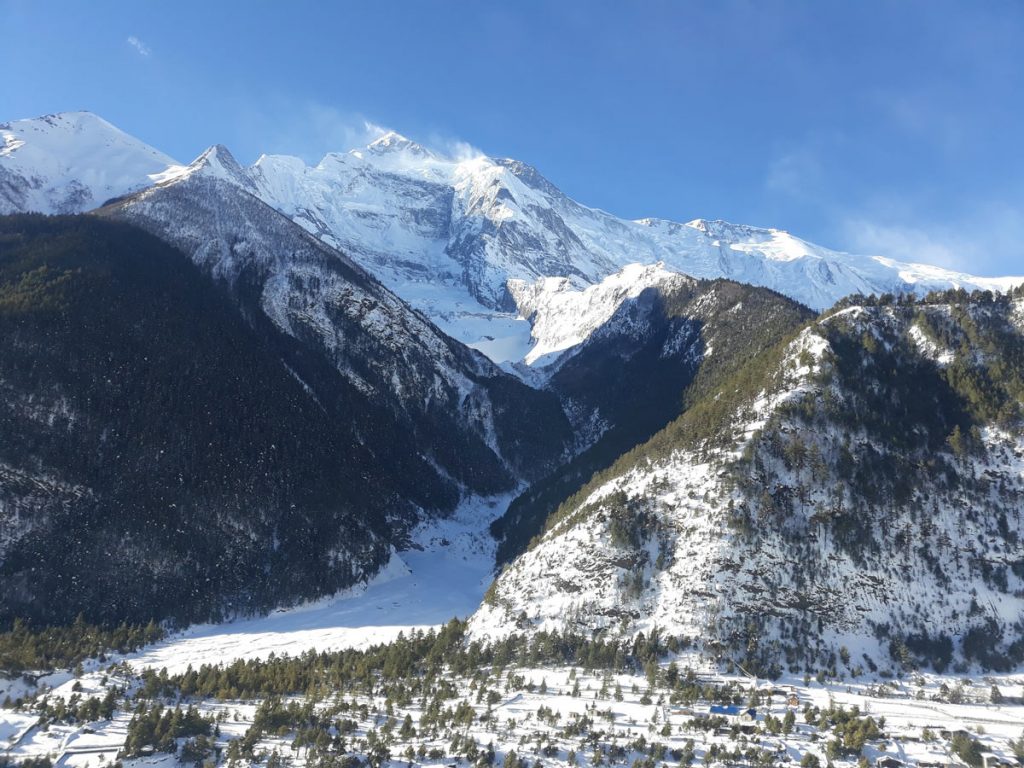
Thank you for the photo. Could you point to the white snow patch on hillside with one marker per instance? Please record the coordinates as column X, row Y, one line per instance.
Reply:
column 504, row 337
column 442, row 575
column 1018, row 314
column 929, row 348
column 564, row 316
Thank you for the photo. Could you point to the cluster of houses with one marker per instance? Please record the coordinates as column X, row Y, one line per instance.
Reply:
column 915, row 751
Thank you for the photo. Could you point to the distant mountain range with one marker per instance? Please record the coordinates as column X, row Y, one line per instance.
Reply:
column 448, row 234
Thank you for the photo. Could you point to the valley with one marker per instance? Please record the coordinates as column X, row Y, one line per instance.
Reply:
column 407, row 458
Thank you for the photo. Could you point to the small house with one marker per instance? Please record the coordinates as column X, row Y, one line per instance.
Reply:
column 735, row 712
column 948, row 734
column 726, row 710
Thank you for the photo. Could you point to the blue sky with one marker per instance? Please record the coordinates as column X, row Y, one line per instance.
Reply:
column 891, row 128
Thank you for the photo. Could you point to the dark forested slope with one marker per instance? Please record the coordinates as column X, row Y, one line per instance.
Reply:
column 164, row 454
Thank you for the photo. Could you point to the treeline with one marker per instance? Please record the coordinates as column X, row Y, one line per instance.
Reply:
column 74, row 709
column 323, row 728
column 419, row 655
column 851, row 731
column 30, row 762
column 947, row 296
column 986, row 365
column 24, row 649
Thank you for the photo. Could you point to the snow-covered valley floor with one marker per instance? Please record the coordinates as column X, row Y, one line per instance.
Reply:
column 418, row 589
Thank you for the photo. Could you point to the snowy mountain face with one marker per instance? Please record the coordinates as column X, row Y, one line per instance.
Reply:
column 861, row 490
column 458, row 237
column 562, row 317
column 436, row 228
column 71, row 162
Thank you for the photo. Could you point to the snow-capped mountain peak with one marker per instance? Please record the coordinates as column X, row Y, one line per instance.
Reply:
column 50, row 126
column 216, row 162
column 395, row 154
column 392, row 142
column 219, row 159
column 71, row 162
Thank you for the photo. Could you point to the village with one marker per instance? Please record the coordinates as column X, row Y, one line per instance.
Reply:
column 532, row 718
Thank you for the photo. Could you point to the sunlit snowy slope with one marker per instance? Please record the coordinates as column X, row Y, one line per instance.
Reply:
column 71, row 162
column 459, row 236
column 404, row 596
column 447, row 233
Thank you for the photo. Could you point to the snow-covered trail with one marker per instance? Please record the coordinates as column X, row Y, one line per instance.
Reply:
column 418, row 589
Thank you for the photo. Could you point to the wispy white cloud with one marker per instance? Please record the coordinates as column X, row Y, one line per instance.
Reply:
column 907, row 222
column 904, row 243
column 800, row 168
column 283, row 124
column 795, row 173
column 449, row 146
column 924, row 116
column 332, row 129
column 140, row 47
column 977, row 242
column 459, row 150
